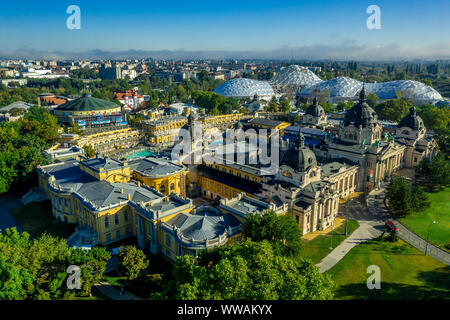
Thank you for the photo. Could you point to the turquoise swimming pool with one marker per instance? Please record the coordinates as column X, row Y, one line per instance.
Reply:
column 140, row 154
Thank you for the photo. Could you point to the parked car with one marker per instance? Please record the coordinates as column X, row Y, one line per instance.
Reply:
column 390, row 225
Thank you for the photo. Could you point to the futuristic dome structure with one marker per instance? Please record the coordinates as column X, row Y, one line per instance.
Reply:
column 414, row 90
column 411, row 120
column 348, row 88
column 338, row 87
column 242, row 88
column 295, row 75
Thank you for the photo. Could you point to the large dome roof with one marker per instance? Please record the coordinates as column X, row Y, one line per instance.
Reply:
column 87, row 103
column 338, row 87
column 295, row 75
column 348, row 88
column 244, row 88
column 412, row 89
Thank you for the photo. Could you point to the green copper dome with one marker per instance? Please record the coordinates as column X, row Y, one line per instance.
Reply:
column 87, row 103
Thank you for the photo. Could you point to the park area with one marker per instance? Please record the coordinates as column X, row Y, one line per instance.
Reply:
column 439, row 211
column 321, row 245
column 406, row 273
column 36, row 218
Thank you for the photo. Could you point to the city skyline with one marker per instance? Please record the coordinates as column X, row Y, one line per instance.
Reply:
column 268, row 30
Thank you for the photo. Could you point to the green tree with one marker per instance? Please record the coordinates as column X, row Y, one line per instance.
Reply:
column 398, row 195
column 36, row 269
column 285, row 106
column 133, row 261
column 393, row 110
column 249, row 270
column 281, row 231
column 89, row 151
column 372, row 100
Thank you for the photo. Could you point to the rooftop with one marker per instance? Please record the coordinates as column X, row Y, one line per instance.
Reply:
column 87, row 103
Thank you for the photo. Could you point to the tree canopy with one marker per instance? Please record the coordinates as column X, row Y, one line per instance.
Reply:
column 21, row 145
column 249, row 270
column 281, row 231
column 404, row 199
column 37, row 269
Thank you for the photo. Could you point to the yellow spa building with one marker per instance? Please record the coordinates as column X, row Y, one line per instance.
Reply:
column 144, row 198
column 110, row 199
column 165, row 130
column 103, row 142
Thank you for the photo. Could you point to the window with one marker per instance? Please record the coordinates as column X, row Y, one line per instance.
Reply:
column 116, row 218
column 106, row 222
column 168, row 240
column 172, row 187
column 108, row 237
column 162, row 189
column 297, row 219
column 218, row 188
column 118, row 234
column 126, row 215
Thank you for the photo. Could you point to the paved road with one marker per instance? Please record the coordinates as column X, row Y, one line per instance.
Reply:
column 371, row 225
column 7, row 202
column 420, row 243
column 407, row 235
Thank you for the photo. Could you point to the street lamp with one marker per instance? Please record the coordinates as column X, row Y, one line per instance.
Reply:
column 331, row 239
column 428, row 235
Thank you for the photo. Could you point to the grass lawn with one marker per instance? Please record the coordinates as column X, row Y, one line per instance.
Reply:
column 36, row 218
column 319, row 247
column 406, row 273
column 438, row 211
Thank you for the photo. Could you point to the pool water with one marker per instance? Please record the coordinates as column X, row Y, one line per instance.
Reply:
column 139, row 154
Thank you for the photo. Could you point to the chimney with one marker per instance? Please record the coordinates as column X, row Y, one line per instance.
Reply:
column 129, row 196
column 121, row 190
column 139, row 184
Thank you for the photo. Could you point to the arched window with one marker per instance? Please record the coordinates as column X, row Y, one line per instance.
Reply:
column 162, row 188
column 172, row 187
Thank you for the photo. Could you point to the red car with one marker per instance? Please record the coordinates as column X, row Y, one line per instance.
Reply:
column 390, row 225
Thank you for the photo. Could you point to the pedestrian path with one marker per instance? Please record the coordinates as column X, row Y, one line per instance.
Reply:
column 370, row 226
column 366, row 231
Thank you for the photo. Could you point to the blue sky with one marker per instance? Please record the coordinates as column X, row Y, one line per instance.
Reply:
column 221, row 25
